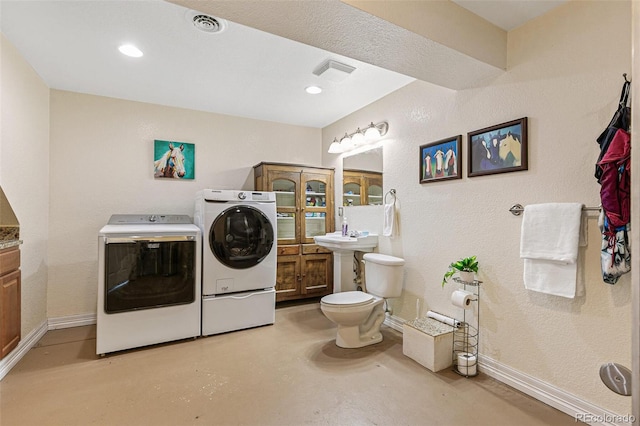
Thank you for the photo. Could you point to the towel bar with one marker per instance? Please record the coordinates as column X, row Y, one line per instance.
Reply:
column 517, row 209
column 391, row 192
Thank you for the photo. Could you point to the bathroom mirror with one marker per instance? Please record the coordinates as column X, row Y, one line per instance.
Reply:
column 362, row 178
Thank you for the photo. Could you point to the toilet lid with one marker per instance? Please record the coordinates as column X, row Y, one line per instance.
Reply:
column 351, row 298
column 383, row 259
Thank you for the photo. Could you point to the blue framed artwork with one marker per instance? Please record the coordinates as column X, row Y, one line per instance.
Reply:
column 441, row 160
column 173, row 160
column 498, row 149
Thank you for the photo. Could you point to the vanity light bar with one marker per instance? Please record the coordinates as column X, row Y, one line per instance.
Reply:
column 358, row 138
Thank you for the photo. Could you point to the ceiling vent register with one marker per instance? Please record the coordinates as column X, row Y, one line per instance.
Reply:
column 207, row 23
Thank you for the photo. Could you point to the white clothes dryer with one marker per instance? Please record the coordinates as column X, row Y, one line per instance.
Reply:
column 148, row 281
column 238, row 258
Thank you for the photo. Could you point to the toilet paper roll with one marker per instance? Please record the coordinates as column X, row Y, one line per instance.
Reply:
column 442, row 318
column 467, row 364
column 462, row 299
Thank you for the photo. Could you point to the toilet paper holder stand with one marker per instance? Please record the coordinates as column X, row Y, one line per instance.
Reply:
column 465, row 337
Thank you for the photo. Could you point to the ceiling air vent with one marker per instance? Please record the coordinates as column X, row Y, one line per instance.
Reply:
column 206, row 23
column 333, row 70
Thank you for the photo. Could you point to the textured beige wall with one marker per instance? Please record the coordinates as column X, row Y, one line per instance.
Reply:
column 102, row 163
column 565, row 74
column 24, row 173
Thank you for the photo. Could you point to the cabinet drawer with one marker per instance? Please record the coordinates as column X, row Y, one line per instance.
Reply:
column 220, row 313
column 288, row 250
column 314, row 249
column 9, row 260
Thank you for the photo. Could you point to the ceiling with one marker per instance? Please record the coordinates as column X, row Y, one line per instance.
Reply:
column 509, row 14
column 240, row 71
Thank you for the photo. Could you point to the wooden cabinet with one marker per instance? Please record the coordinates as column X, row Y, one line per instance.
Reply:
column 305, row 208
column 361, row 188
column 309, row 274
column 9, row 299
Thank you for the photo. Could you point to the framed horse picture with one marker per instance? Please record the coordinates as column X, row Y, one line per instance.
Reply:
column 173, row 160
column 441, row 160
column 498, row 149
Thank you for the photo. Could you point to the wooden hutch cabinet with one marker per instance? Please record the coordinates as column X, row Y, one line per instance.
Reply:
column 305, row 208
column 361, row 188
column 9, row 299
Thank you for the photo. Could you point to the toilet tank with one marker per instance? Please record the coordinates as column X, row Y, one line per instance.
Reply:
column 383, row 275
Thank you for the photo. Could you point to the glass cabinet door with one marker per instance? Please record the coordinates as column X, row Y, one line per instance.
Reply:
column 316, row 217
column 351, row 192
column 374, row 192
column 285, row 188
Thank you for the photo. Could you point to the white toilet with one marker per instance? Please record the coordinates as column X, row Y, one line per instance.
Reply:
column 359, row 314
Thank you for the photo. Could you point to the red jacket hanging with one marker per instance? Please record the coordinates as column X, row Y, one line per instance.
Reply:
column 616, row 180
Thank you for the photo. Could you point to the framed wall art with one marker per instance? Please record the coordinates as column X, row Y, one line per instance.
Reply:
column 498, row 149
column 441, row 160
column 173, row 160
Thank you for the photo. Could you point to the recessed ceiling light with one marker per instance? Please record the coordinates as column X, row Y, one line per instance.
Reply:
column 313, row 90
column 130, row 50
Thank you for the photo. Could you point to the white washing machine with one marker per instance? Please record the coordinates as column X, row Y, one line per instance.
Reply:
column 238, row 258
column 149, row 285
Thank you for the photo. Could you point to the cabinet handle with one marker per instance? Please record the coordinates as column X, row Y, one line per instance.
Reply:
column 299, row 278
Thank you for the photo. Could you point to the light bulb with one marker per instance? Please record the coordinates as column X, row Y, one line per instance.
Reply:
column 313, row 90
column 357, row 138
column 346, row 142
column 372, row 133
column 335, row 147
column 130, row 50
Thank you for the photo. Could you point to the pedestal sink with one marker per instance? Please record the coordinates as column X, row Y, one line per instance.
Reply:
column 344, row 249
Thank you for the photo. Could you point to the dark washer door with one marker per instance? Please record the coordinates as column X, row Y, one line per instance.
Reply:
column 241, row 237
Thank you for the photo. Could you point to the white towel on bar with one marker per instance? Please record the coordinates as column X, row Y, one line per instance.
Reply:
column 389, row 219
column 549, row 247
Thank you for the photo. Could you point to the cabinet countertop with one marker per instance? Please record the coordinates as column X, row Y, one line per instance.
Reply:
column 9, row 233
column 9, row 243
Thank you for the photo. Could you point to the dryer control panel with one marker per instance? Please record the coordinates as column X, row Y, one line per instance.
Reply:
column 135, row 219
column 226, row 195
column 263, row 196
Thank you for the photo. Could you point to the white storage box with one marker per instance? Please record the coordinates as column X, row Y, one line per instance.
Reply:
column 429, row 342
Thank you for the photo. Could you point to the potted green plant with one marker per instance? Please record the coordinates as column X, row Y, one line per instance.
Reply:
column 465, row 267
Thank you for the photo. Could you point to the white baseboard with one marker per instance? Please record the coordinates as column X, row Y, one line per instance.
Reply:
column 394, row 322
column 26, row 343
column 71, row 321
column 557, row 398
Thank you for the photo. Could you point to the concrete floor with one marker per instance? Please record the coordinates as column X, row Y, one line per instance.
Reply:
column 290, row 373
